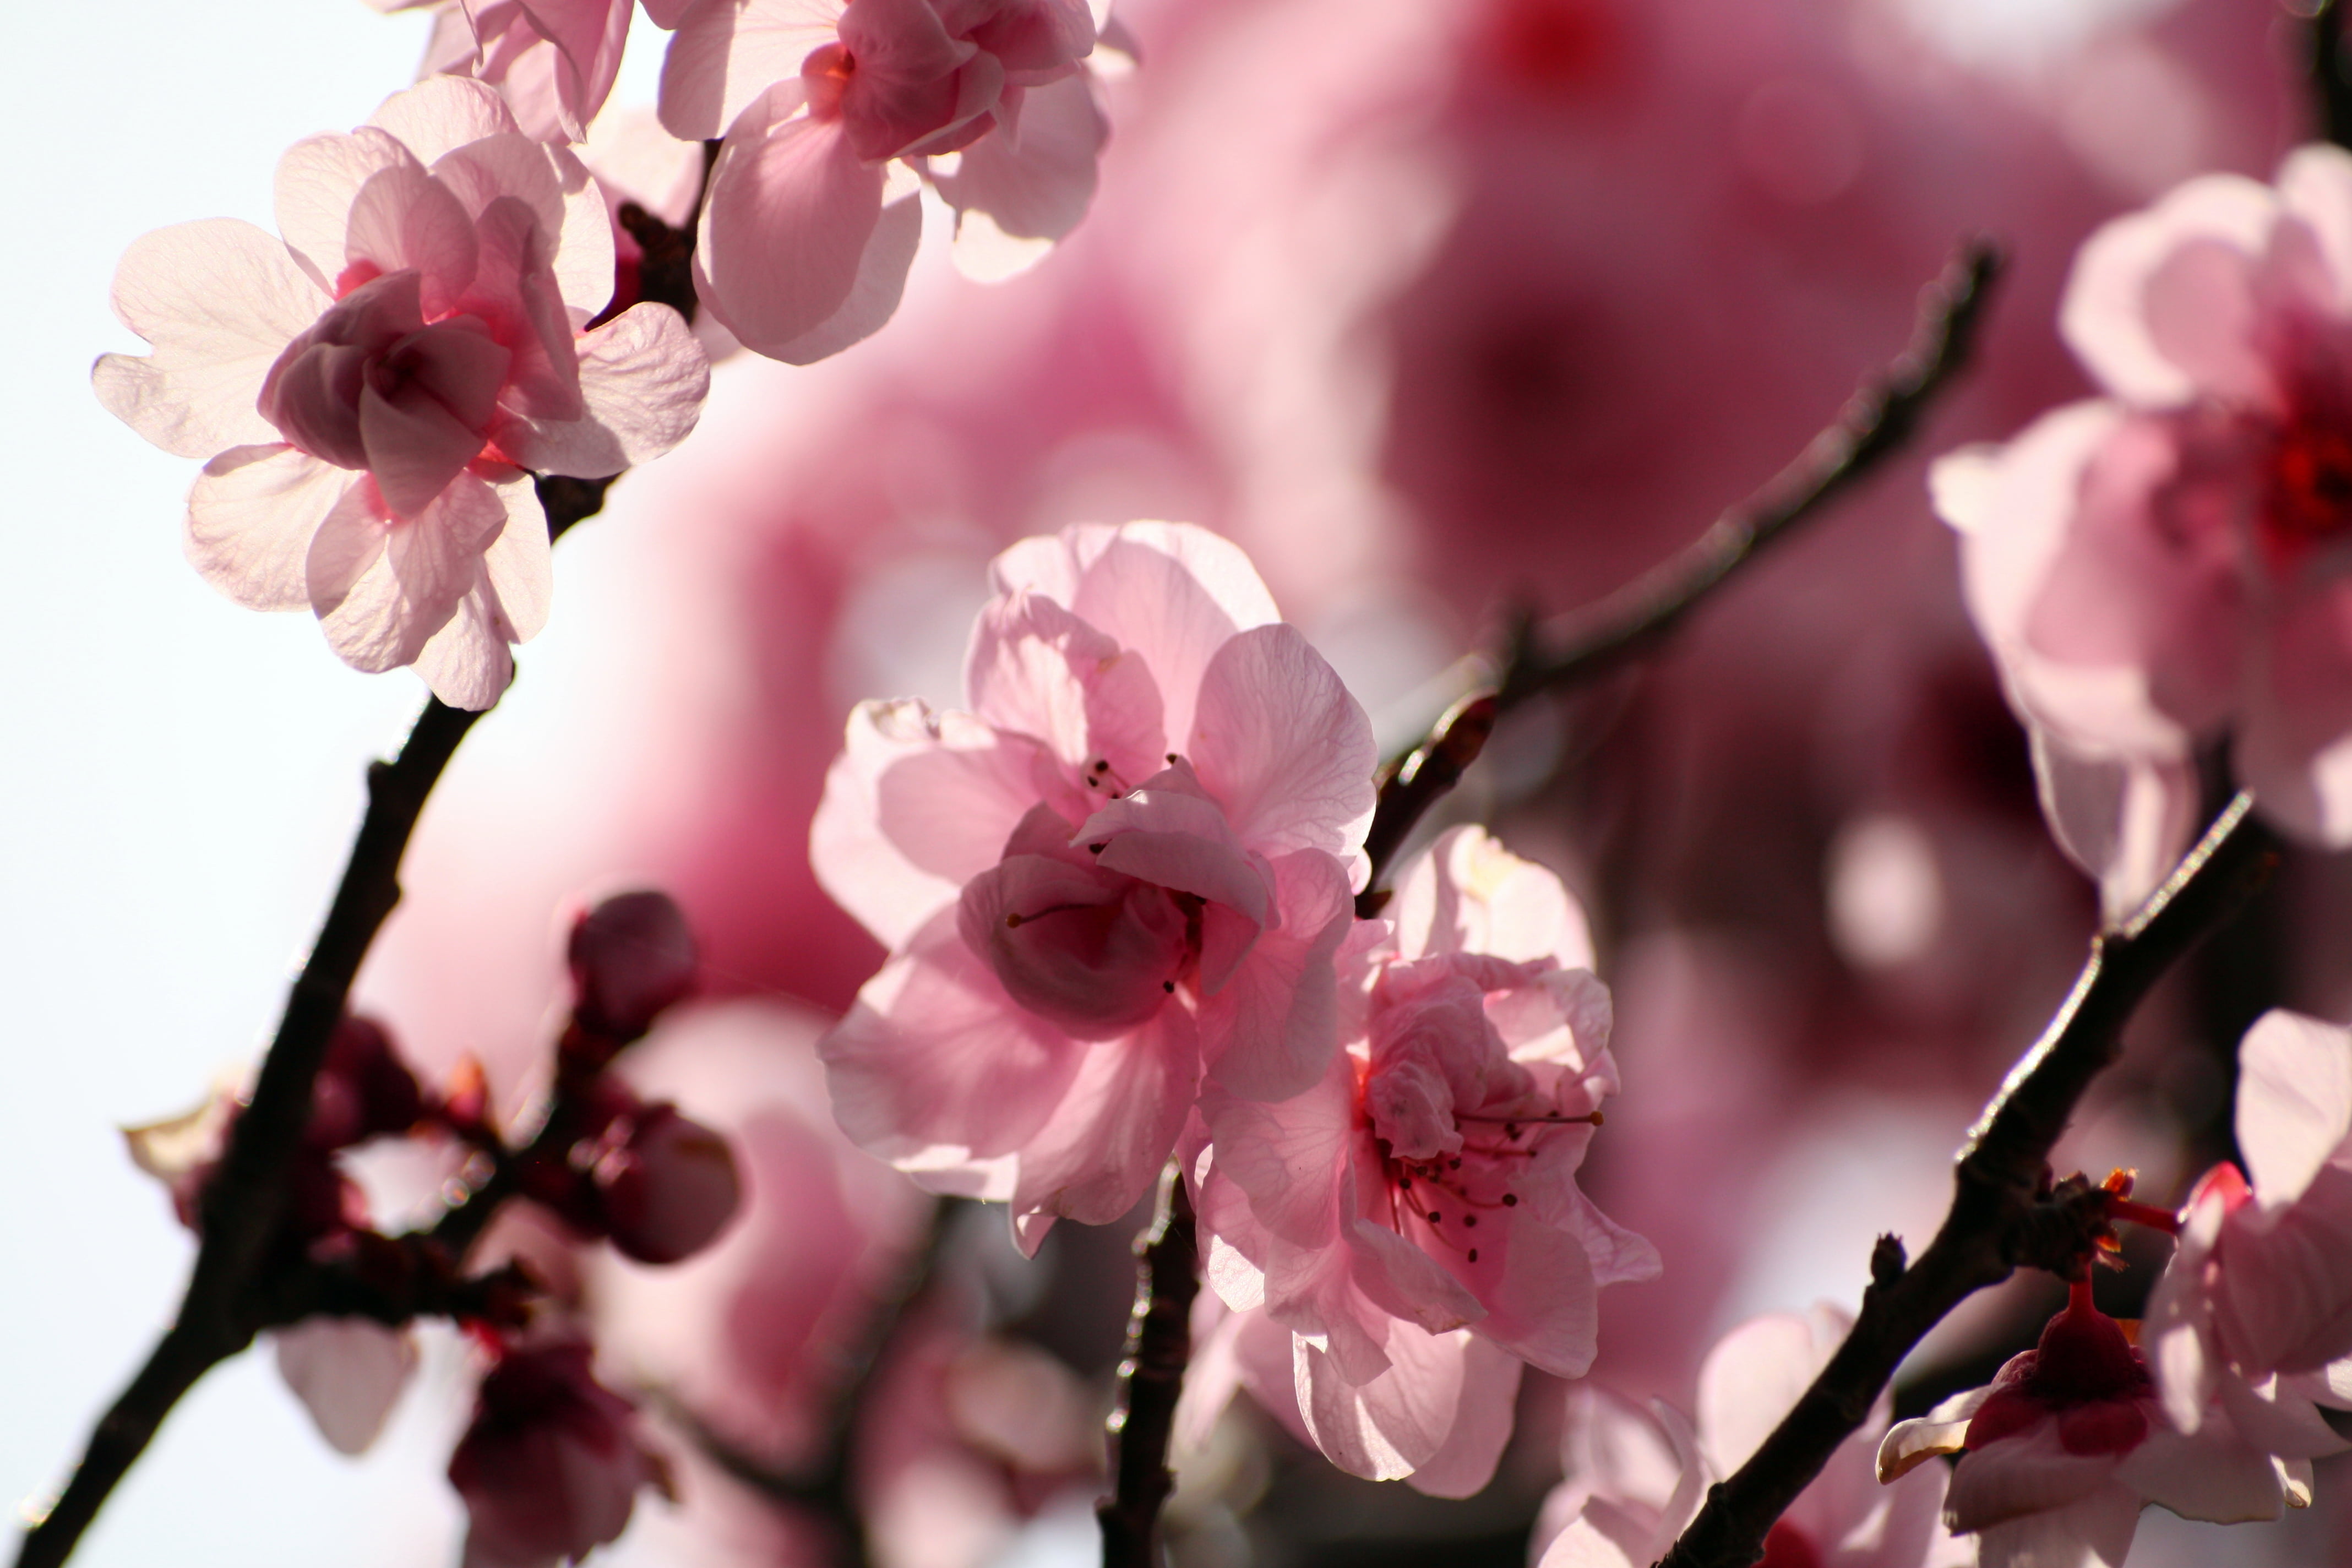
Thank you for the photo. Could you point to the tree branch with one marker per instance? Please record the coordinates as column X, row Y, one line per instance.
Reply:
column 1158, row 1343
column 245, row 1202
column 2005, row 1211
column 2331, row 93
column 1876, row 423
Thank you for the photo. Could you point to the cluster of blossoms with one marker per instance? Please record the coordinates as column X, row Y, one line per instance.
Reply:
column 2165, row 566
column 2216, row 1412
column 1119, row 893
column 551, row 1462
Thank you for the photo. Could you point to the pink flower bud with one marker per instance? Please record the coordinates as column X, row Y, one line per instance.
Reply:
column 668, row 1189
column 631, row 957
column 550, row 1466
column 363, row 1089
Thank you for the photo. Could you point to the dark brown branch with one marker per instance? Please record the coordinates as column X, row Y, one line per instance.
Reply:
column 1158, row 1343
column 1875, row 425
column 2331, row 91
column 246, row 1201
column 2004, row 1213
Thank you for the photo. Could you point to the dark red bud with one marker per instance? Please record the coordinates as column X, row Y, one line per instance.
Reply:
column 668, row 1189
column 631, row 957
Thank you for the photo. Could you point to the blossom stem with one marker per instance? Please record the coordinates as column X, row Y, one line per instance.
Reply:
column 2148, row 1214
column 1158, row 1344
column 2003, row 1212
column 246, row 1201
column 1876, row 423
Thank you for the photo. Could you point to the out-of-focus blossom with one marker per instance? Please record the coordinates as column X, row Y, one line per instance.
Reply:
column 550, row 1466
column 2255, row 1310
column 2062, row 1450
column 348, row 1372
column 363, row 1089
column 1634, row 1481
column 1417, row 1210
column 807, row 234
column 667, row 1189
column 2167, row 564
column 1129, row 865
column 369, row 392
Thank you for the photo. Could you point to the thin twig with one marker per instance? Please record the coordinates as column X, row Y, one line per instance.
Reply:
column 1158, row 1343
column 1875, row 425
column 2331, row 92
column 2004, row 1213
column 245, row 1202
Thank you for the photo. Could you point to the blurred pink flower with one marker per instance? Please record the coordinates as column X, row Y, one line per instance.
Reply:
column 2166, row 565
column 1082, row 920
column 1427, row 1184
column 369, row 392
column 2063, row 1448
column 2256, row 1308
column 806, row 236
column 550, row 1466
column 1633, row 1482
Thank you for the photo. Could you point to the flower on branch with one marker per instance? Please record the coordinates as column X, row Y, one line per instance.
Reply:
column 2167, row 566
column 1130, row 864
column 1633, row 1481
column 1396, row 1241
column 370, row 393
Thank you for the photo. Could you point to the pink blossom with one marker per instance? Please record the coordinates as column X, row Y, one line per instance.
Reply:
column 554, row 62
column 370, row 393
column 2255, row 1310
column 2164, row 566
column 1634, row 1481
column 1421, row 1199
column 1130, row 863
column 550, row 1466
column 2063, row 1448
column 807, row 232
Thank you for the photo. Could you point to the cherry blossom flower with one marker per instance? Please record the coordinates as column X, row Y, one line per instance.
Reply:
column 1129, row 864
column 1634, row 1481
column 1416, row 1212
column 2166, row 565
column 551, row 1465
column 2063, row 1448
column 554, row 62
column 2256, row 1308
column 809, row 228
column 368, row 392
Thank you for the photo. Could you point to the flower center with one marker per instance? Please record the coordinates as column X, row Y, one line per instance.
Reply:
column 2310, row 489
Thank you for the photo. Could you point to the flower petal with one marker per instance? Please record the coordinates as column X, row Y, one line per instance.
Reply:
column 2295, row 1102
column 1278, row 740
column 251, row 517
column 643, row 379
column 348, row 1372
column 727, row 53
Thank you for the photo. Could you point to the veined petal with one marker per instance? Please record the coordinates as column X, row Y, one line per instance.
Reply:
column 441, row 113
column 1279, row 741
column 318, row 180
column 2295, row 1102
column 251, row 517
column 729, row 52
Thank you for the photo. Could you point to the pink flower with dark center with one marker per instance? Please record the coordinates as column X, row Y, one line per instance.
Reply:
column 808, row 232
column 2254, row 1311
column 370, row 392
column 1421, row 1198
column 2063, row 1448
column 1130, row 863
column 2167, row 565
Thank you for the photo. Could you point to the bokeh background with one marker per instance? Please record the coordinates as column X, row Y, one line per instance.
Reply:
column 1445, row 310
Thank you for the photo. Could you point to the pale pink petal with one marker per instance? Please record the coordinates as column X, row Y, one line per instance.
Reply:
column 916, row 805
column 1278, row 740
column 219, row 301
column 520, row 564
column 2314, row 184
column 727, row 53
column 643, row 378
column 1469, row 894
column 2176, row 1328
column 1030, row 181
column 1165, row 832
column 2293, row 748
column 1036, row 669
column 2285, row 1286
column 1385, row 1429
column 2214, row 1475
column 576, row 231
column 2201, row 315
column 381, row 588
column 1608, row 1447
column 251, row 517
column 1288, row 1156
column 2029, row 1473
column 1582, row 1545
column 1169, row 591
column 935, row 1059
column 2127, row 821
column 348, row 1372
column 441, row 113
column 318, row 180
column 1483, row 1415
column 2105, row 315
column 1270, row 1030
column 796, row 255
column 2094, row 1531
column 1109, row 1138
column 404, row 220
column 1093, row 953
column 1406, row 1282
column 2295, row 1102
column 1542, row 1302
column 1754, row 1376
column 2264, row 1420
column 1943, row 1430
column 1211, row 1377
column 634, row 159
column 416, row 445
column 588, row 37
